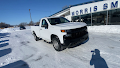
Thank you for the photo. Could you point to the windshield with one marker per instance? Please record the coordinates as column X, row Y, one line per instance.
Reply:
column 59, row 20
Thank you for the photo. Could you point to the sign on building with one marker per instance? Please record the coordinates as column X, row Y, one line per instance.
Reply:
column 94, row 7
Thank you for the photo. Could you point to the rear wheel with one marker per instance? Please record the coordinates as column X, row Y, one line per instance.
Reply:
column 56, row 44
column 35, row 37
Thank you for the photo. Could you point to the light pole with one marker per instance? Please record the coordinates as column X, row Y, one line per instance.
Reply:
column 30, row 15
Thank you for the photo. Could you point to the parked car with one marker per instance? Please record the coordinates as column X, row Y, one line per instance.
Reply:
column 60, row 31
column 22, row 27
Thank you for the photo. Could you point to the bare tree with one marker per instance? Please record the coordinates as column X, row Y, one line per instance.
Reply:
column 37, row 23
column 31, row 23
column 23, row 24
column 4, row 25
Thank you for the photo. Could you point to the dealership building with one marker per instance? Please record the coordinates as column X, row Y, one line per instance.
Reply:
column 102, row 12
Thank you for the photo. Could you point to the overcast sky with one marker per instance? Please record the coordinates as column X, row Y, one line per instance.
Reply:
column 16, row 11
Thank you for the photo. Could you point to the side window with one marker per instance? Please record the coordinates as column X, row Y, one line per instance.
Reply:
column 44, row 22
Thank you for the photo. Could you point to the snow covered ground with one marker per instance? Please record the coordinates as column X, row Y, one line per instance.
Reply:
column 18, row 49
column 105, row 29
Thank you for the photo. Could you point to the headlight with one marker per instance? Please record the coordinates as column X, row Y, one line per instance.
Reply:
column 62, row 30
column 68, row 30
column 65, row 30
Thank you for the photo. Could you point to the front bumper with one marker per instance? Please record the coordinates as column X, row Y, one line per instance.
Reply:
column 79, row 40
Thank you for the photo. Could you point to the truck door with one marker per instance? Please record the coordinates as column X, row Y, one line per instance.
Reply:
column 44, row 30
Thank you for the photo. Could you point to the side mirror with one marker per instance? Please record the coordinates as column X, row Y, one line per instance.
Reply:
column 46, row 26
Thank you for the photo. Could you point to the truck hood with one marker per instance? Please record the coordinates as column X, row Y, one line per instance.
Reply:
column 71, row 25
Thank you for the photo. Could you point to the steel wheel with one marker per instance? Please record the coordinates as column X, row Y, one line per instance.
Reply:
column 56, row 44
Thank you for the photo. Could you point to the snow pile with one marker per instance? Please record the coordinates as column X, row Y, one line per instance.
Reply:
column 105, row 28
column 0, row 30
column 13, row 29
column 7, row 30
column 28, row 27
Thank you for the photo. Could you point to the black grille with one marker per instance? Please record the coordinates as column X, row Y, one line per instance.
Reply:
column 78, row 29
column 78, row 32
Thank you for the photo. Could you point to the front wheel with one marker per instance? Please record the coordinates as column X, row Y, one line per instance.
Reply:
column 56, row 44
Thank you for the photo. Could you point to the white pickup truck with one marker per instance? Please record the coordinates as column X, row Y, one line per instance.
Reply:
column 60, row 31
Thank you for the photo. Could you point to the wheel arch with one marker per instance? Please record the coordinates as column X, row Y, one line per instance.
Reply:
column 33, row 32
column 53, row 35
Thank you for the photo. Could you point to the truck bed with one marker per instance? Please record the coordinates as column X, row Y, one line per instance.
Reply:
column 36, row 29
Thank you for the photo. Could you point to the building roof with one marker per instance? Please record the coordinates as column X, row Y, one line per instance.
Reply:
column 76, row 5
column 51, row 17
column 60, row 11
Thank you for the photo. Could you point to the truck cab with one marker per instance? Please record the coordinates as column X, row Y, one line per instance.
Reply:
column 60, row 31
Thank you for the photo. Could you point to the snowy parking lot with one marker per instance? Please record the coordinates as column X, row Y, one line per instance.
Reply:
column 18, row 49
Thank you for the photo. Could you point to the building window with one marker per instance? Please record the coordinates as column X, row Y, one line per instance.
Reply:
column 86, row 18
column 99, row 18
column 109, row 17
column 114, row 17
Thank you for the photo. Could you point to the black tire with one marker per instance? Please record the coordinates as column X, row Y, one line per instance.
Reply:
column 35, row 37
column 56, row 44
